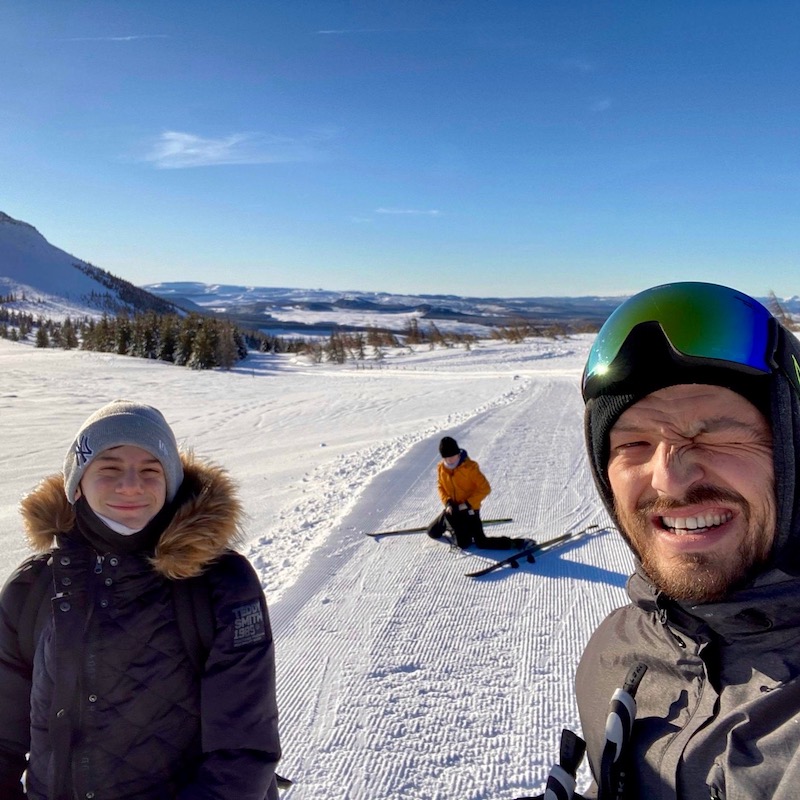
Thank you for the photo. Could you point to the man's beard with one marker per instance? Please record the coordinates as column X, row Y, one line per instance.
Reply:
column 700, row 577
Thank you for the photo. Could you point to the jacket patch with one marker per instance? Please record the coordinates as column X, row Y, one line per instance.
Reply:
column 248, row 624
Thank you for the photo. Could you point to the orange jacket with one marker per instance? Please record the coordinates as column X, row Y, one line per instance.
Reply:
column 464, row 484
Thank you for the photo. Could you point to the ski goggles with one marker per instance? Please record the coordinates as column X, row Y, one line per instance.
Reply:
column 700, row 320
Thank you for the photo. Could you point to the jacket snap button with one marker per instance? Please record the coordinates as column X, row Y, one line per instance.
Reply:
column 108, row 581
column 60, row 713
column 113, row 561
column 64, row 561
column 65, row 606
column 66, row 581
column 92, row 698
column 104, row 604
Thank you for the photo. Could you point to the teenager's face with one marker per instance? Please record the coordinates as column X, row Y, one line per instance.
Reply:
column 451, row 462
column 125, row 484
column 691, row 470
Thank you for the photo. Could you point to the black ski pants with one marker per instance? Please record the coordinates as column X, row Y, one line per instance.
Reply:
column 466, row 528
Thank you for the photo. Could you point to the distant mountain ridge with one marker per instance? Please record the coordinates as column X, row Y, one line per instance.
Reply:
column 56, row 284
column 271, row 308
column 314, row 311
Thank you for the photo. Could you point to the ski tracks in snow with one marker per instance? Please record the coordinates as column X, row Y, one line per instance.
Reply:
column 400, row 677
column 325, row 505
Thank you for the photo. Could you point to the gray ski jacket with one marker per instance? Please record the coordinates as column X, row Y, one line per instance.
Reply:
column 718, row 711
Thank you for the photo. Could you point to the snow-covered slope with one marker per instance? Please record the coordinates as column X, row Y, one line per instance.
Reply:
column 46, row 275
column 26, row 256
column 50, row 283
column 398, row 676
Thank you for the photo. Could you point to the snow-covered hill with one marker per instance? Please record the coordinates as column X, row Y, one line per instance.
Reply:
column 398, row 676
column 50, row 283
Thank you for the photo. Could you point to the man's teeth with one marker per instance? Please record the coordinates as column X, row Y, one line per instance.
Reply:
column 700, row 522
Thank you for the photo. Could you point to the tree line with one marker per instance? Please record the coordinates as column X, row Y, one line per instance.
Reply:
column 199, row 341
column 194, row 340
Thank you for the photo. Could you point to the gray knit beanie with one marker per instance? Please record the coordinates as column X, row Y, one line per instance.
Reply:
column 118, row 423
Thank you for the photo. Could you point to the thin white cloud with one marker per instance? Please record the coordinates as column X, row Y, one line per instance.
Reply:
column 117, row 38
column 581, row 65
column 179, row 150
column 604, row 104
column 345, row 31
column 431, row 212
column 350, row 31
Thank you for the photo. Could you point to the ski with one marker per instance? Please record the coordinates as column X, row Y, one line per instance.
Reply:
column 423, row 528
column 283, row 783
column 527, row 554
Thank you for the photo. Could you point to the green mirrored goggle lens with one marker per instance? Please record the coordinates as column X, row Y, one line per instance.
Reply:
column 700, row 320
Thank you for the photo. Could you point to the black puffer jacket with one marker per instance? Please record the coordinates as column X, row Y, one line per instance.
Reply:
column 112, row 708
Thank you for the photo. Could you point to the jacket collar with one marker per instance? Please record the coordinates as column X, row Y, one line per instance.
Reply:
column 772, row 603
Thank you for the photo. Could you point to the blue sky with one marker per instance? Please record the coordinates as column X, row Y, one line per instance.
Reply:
column 537, row 147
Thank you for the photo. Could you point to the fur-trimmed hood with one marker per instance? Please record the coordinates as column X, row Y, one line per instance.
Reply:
column 205, row 525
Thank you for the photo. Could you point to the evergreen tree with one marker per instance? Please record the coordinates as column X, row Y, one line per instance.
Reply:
column 69, row 338
column 167, row 338
column 241, row 344
column 105, row 335
column 185, row 343
column 227, row 352
column 42, row 339
column 144, row 341
column 124, row 335
column 204, row 348
column 88, row 335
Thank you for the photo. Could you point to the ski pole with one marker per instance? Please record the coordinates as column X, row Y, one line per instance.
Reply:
column 619, row 725
column 561, row 780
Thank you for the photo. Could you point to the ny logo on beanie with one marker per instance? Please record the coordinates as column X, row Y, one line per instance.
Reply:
column 82, row 451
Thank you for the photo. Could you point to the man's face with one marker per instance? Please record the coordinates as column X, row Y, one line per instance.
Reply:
column 691, row 470
column 125, row 484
